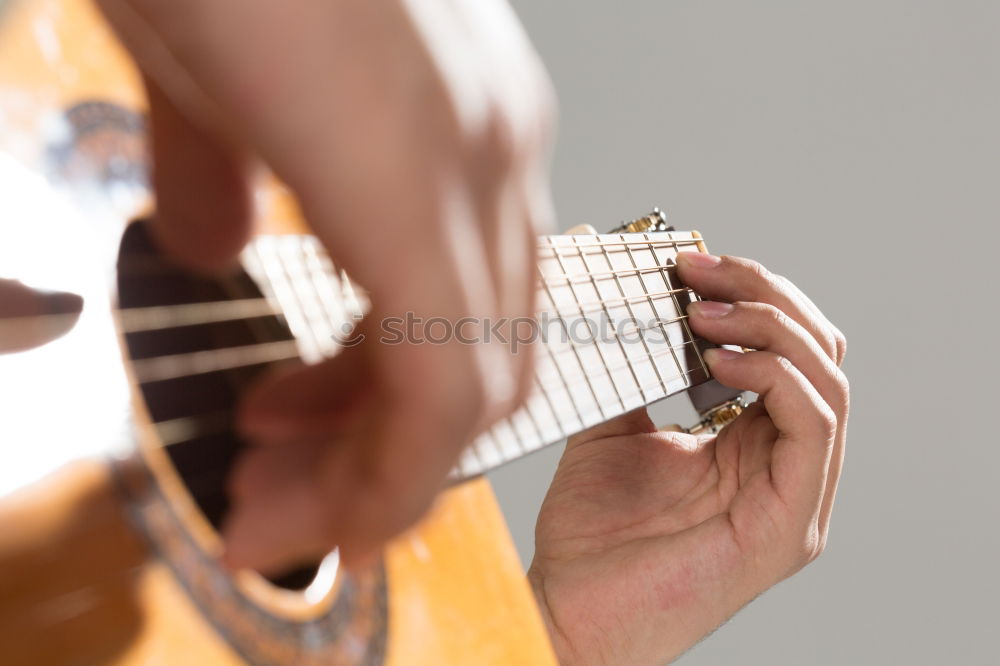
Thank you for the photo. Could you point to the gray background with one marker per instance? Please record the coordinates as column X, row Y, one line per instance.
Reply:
column 854, row 147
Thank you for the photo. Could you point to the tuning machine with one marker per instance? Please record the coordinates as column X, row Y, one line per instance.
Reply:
column 655, row 221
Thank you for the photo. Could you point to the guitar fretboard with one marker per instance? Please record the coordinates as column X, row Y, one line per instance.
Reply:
column 612, row 331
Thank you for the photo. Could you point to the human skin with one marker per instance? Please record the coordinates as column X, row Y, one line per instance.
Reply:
column 414, row 135
column 647, row 540
column 30, row 318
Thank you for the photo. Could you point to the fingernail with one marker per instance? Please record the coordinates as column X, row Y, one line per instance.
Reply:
column 63, row 302
column 698, row 259
column 710, row 309
column 720, row 355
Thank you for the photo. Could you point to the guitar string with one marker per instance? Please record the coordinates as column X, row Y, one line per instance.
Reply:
column 494, row 437
column 176, row 425
column 580, row 416
column 195, row 313
column 167, row 367
column 160, row 317
column 259, row 307
column 481, row 467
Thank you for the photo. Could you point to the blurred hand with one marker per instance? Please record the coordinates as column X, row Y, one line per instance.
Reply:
column 414, row 136
column 30, row 318
column 647, row 540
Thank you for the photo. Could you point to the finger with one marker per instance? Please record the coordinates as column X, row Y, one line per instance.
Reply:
column 352, row 491
column 303, row 403
column 765, row 327
column 276, row 518
column 381, row 464
column 733, row 279
column 30, row 317
column 204, row 205
column 806, row 425
column 838, row 337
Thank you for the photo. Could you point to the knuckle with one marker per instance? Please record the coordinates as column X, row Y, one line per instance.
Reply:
column 759, row 271
column 840, row 342
column 811, row 546
column 805, row 546
column 826, row 422
column 776, row 317
column 755, row 277
column 828, row 344
column 500, row 142
column 781, row 365
column 843, row 389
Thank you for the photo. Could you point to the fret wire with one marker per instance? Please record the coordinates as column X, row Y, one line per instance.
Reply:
column 677, row 308
column 562, row 380
column 494, row 442
column 530, row 409
column 628, row 304
column 548, row 399
column 525, row 417
column 652, row 307
column 308, row 309
column 666, row 335
column 579, row 362
column 322, row 289
column 478, row 465
column 507, row 425
column 526, row 412
column 607, row 312
column 273, row 284
column 512, row 424
column 600, row 354
column 597, row 347
column 335, row 291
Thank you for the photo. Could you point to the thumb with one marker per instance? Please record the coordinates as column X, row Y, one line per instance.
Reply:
column 30, row 318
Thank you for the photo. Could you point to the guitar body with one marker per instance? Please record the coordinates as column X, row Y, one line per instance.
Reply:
column 112, row 560
column 80, row 583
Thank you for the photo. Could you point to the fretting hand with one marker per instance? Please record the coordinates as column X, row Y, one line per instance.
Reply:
column 415, row 138
column 647, row 541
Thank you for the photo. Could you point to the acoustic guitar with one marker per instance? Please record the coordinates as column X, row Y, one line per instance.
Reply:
column 114, row 558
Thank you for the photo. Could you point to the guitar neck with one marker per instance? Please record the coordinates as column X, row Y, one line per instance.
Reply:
column 611, row 334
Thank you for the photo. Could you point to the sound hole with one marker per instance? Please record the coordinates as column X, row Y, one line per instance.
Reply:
column 199, row 405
